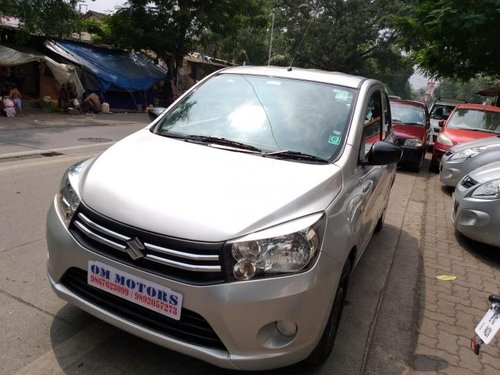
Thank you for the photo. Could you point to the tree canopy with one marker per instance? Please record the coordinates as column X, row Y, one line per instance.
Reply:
column 452, row 38
column 171, row 28
column 51, row 18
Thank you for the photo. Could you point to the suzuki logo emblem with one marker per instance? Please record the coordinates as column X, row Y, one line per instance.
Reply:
column 134, row 249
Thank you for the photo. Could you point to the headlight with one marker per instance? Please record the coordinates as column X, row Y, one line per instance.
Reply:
column 468, row 153
column 444, row 139
column 68, row 197
column 287, row 248
column 488, row 190
column 413, row 142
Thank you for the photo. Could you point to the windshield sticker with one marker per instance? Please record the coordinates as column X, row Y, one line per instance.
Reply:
column 334, row 140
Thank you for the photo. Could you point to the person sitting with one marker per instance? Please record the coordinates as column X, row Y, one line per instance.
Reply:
column 16, row 96
column 91, row 103
column 64, row 101
column 8, row 106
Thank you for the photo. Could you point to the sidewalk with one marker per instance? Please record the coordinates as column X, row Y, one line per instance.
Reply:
column 40, row 120
column 448, row 311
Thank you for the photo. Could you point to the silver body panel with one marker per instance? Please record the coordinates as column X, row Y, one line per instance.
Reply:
column 199, row 193
column 478, row 219
column 452, row 171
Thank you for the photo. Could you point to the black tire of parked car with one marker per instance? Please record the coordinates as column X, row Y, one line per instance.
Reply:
column 325, row 346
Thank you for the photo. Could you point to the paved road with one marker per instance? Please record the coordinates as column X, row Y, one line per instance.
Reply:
column 399, row 318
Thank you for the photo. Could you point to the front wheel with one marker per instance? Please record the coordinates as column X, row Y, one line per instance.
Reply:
column 322, row 351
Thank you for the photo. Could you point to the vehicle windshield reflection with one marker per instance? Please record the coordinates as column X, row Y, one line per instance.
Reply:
column 270, row 114
column 472, row 119
column 407, row 114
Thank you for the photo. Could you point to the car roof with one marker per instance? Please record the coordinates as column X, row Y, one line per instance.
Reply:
column 409, row 102
column 336, row 78
column 481, row 107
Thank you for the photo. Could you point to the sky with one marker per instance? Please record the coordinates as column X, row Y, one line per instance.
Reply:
column 101, row 6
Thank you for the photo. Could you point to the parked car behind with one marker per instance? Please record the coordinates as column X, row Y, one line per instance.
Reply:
column 466, row 123
column 228, row 229
column 476, row 210
column 465, row 157
column 410, row 130
column 440, row 110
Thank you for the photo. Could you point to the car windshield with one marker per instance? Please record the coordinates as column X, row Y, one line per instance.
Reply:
column 268, row 114
column 407, row 114
column 474, row 119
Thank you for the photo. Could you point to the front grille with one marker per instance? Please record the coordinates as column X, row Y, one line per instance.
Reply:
column 187, row 261
column 191, row 328
column 468, row 182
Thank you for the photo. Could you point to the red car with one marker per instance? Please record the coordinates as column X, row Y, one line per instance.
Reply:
column 466, row 123
column 410, row 130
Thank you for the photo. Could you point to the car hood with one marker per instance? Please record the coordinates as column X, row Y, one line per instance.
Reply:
column 486, row 173
column 203, row 193
column 408, row 131
column 489, row 141
column 464, row 135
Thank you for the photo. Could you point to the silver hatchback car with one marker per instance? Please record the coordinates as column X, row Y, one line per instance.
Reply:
column 465, row 157
column 476, row 209
column 228, row 228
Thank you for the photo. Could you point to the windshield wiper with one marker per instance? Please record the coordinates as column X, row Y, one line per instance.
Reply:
column 206, row 139
column 294, row 155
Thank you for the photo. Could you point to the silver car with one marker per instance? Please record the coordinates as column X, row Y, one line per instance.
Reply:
column 465, row 157
column 476, row 209
column 228, row 228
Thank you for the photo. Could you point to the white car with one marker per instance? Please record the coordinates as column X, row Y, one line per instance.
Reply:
column 440, row 110
column 228, row 228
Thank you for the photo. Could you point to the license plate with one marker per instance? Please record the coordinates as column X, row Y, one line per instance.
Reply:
column 132, row 288
column 489, row 326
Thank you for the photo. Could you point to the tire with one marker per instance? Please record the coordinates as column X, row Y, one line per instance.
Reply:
column 322, row 351
column 418, row 164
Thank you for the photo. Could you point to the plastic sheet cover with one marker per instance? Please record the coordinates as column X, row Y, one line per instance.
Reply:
column 113, row 68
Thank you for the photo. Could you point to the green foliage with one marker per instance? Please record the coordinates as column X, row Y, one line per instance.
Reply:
column 464, row 90
column 50, row 18
column 452, row 38
column 172, row 28
column 352, row 36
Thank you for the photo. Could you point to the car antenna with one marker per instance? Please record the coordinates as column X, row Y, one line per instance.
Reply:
column 305, row 31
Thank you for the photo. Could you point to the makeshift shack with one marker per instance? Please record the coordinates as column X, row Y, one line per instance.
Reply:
column 124, row 79
column 34, row 74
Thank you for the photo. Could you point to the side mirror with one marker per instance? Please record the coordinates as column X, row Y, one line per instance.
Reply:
column 441, row 123
column 154, row 112
column 383, row 153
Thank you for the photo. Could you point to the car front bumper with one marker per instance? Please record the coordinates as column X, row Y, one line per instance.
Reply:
column 411, row 155
column 451, row 172
column 478, row 219
column 242, row 315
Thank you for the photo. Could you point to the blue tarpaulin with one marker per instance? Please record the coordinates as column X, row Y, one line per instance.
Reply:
column 119, row 69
